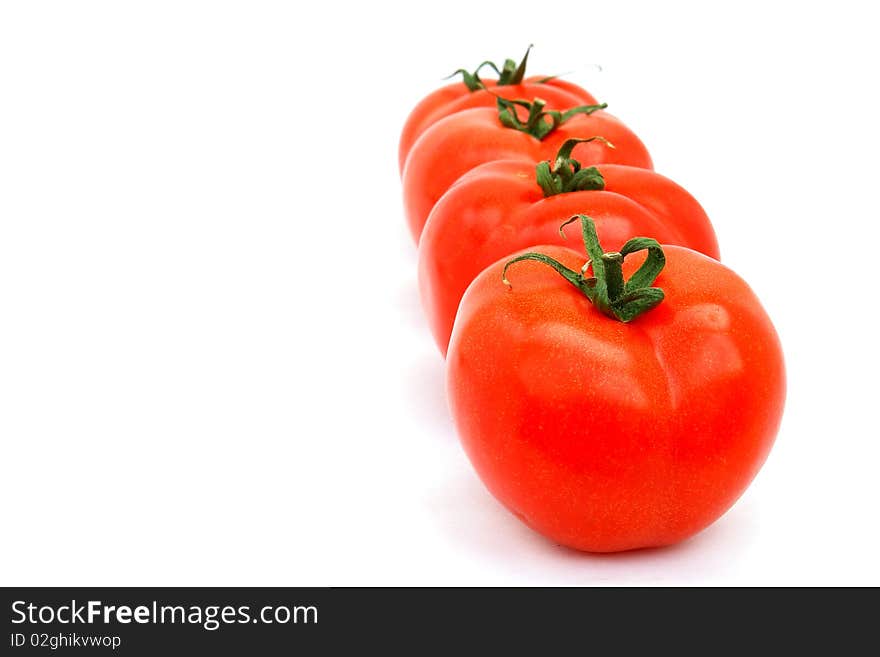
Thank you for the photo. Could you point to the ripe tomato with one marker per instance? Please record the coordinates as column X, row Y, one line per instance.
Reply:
column 604, row 435
column 472, row 91
column 455, row 145
column 500, row 207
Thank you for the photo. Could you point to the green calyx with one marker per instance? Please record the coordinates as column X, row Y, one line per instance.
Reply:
column 566, row 174
column 539, row 122
column 606, row 288
column 509, row 74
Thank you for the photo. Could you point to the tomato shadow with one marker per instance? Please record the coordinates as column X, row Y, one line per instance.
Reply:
column 424, row 390
column 409, row 307
column 471, row 517
column 406, row 246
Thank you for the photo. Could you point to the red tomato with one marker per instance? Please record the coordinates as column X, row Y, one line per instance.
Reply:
column 604, row 435
column 472, row 92
column 499, row 207
column 455, row 145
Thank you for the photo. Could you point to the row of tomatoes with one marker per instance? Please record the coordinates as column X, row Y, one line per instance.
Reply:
column 615, row 397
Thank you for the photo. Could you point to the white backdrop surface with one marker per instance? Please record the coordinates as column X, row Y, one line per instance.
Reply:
column 213, row 366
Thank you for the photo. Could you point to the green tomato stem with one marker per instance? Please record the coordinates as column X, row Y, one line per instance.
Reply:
column 509, row 74
column 607, row 290
column 566, row 174
column 540, row 122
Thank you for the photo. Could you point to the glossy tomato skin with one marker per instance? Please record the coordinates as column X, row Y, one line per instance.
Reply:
column 498, row 208
column 455, row 97
column 464, row 140
column 605, row 436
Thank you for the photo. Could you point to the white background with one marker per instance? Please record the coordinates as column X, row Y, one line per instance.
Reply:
column 213, row 367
